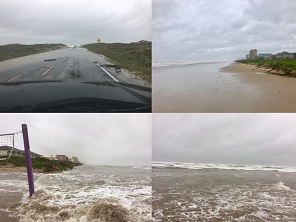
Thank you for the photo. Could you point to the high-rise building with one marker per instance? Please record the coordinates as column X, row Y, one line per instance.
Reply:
column 75, row 159
column 253, row 54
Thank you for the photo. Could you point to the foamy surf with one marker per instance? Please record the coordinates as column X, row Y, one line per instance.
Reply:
column 90, row 193
column 184, row 192
column 171, row 64
column 280, row 186
column 200, row 166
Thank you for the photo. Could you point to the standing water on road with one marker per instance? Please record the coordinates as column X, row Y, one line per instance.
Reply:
column 90, row 193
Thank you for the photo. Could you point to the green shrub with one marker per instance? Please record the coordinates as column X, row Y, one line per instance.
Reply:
column 39, row 163
column 133, row 57
column 286, row 65
column 11, row 51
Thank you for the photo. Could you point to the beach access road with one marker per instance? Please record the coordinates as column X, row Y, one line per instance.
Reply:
column 221, row 87
column 66, row 65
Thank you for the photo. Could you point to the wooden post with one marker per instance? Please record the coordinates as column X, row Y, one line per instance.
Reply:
column 28, row 159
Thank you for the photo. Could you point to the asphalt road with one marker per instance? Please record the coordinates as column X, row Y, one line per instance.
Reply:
column 66, row 64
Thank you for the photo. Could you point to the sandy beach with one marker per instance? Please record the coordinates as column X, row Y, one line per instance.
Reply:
column 12, row 168
column 221, row 88
column 278, row 93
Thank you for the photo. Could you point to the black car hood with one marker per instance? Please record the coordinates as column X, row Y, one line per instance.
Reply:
column 59, row 96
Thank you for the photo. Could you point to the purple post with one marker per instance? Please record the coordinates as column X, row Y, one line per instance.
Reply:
column 28, row 159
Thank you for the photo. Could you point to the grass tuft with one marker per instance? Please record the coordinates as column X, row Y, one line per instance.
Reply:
column 135, row 57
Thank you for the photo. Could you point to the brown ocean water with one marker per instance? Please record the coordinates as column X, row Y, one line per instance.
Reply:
column 235, row 193
column 86, row 193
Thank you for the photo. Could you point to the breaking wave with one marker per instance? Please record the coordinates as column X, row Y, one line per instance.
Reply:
column 89, row 194
column 200, row 166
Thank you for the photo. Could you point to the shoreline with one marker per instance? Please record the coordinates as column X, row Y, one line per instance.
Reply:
column 276, row 92
column 222, row 88
column 10, row 168
column 237, row 67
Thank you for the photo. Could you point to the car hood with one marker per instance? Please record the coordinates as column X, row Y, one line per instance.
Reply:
column 59, row 96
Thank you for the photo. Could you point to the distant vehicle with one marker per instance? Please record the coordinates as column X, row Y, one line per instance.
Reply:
column 75, row 47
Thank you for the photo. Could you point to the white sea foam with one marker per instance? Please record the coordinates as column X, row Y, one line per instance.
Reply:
column 163, row 64
column 70, row 196
column 13, row 182
column 142, row 167
column 158, row 215
column 222, row 196
column 166, row 64
column 199, row 166
column 280, row 186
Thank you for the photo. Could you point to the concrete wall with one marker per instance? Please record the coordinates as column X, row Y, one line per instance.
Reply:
column 4, row 153
column 287, row 56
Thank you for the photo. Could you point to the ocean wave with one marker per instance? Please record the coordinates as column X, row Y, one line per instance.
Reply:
column 280, row 186
column 200, row 166
column 143, row 167
column 87, row 193
column 164, row 64
column 43, row 206
column 38, row 209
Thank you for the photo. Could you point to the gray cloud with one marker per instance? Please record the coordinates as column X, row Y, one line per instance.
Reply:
column 109, row 139
column 225, row 138
column 211, row 30
column 74, row 22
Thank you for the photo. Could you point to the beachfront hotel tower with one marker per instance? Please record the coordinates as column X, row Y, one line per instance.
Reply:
column 253, row 54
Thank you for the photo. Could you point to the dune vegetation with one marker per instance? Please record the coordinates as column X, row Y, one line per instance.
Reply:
column 12, row 51
column 286, row 67
column 134, row 57
column 39, row 163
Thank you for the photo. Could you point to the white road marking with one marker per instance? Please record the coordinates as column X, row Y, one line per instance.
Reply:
column 14, row 78
column 106, row 71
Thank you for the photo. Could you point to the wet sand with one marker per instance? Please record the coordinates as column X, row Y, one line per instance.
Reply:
column 4, row 217
column 278, row 92
column 12, row 168
column 221, row 88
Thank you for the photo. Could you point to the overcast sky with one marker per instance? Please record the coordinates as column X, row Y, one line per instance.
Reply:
column 221, row 30
column 267, row 139
column 74, row 22
column 98, row 139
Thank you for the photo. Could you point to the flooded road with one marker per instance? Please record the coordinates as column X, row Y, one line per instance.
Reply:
column 66, row 64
